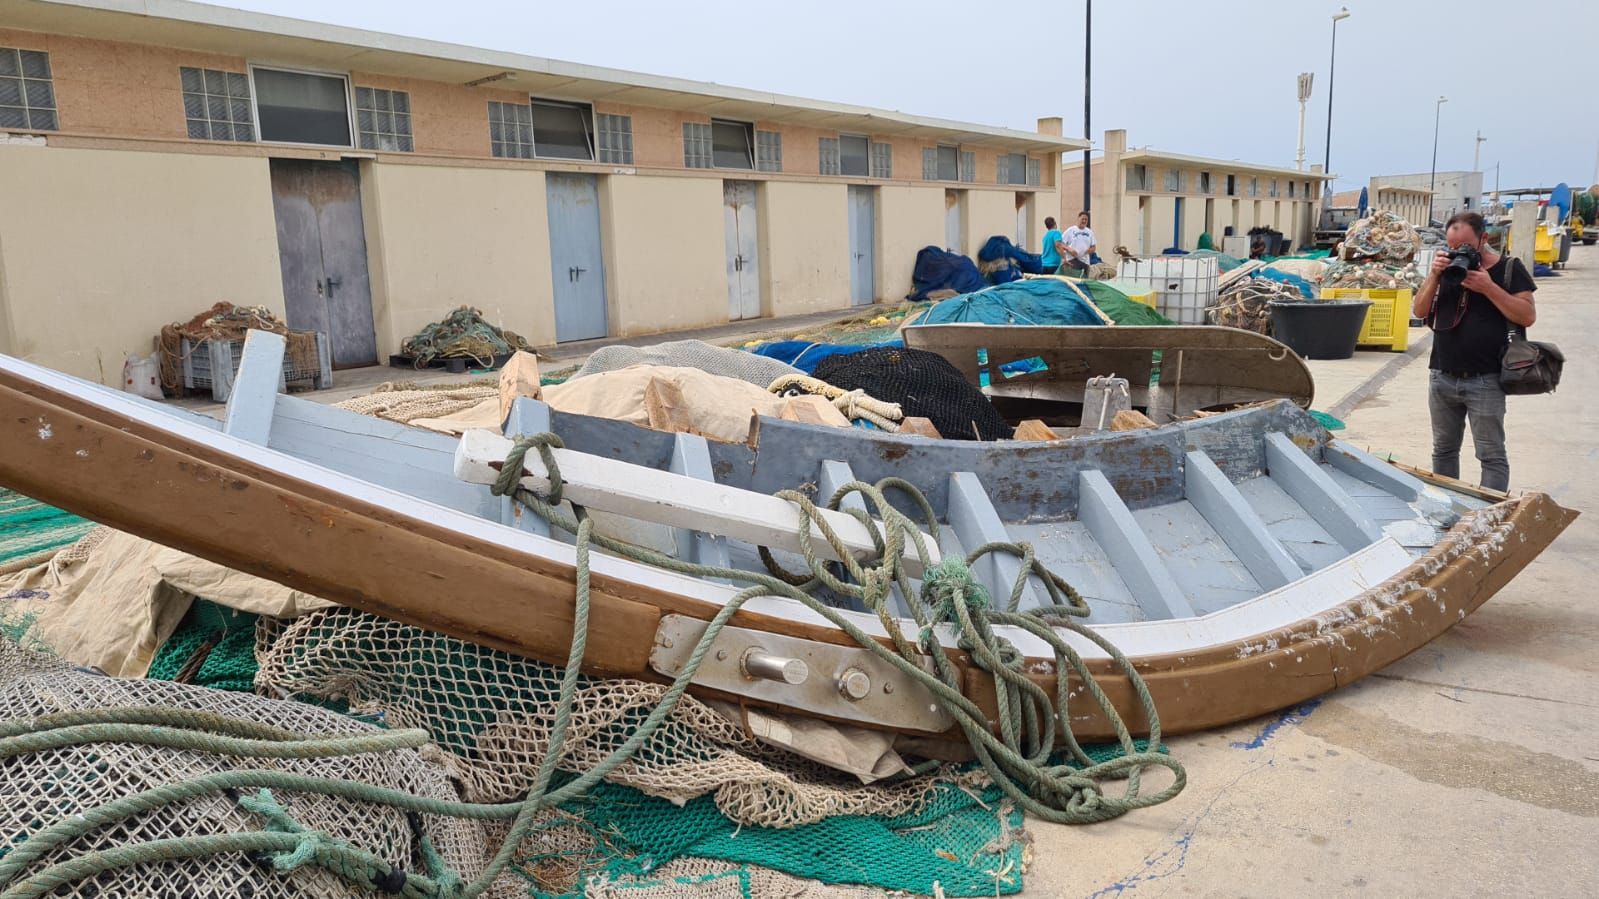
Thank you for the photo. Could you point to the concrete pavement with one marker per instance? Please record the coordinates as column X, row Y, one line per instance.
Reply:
column 1470, row 767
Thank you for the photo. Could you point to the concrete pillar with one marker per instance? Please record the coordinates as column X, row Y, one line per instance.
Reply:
column 1523, row 224
column 1112, row 184
column 1055, row 126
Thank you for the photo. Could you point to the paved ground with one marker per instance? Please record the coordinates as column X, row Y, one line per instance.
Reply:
column 1470, row 767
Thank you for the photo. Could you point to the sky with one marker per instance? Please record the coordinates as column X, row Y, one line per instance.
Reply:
column 1215, row 79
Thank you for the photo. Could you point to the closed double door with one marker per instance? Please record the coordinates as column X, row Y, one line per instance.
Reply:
column 322, row 255
column 743, row 250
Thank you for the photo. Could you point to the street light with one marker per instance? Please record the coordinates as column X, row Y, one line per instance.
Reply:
column 1326, row 158
column 1088, row 48
column 1432, row 179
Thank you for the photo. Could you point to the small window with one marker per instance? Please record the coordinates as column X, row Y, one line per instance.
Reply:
column 1232, row 185
column 615, row 134
column 854, row 155
column 1273, row 187
column 882, row 160
column 828, row 156
column 216, row 104
column 1137, row 177
column 968, row 166
column 1254, row 187
column 302, row 108
column 510, row 130
column 696, row 145
column 1012, row 168
column 948, row 164
column 1035, row 172
column 562, row 130
column 383, row 119
column 1174, row 180
column 732, row 144
column 769, row 151
column 1291, row 186
column 27, row 91
column 1204, row 182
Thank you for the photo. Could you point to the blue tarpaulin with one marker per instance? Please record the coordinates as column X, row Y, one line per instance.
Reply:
column 938, row 269
column 1035, row 302
column 804, row 354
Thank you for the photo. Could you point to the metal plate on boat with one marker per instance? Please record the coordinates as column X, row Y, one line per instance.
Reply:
column 845, row 682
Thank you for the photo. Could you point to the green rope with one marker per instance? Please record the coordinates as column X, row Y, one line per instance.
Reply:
column 1018, row 758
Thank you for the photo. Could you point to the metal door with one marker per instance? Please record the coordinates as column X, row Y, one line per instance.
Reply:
column 577, row 265
column 322, row 255
column 954, row 208
column 862, row 237
column 743, row 250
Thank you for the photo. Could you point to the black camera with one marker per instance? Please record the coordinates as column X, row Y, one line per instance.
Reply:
column 1461, row 260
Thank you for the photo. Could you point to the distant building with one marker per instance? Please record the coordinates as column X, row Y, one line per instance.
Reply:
column 1152, row 199
column 1454, row 191
column 1409, row 203
column 157, row 157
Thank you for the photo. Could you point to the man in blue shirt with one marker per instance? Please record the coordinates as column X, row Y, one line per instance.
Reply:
column 1050, row 258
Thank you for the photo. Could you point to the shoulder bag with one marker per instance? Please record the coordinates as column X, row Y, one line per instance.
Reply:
column 1528, row 366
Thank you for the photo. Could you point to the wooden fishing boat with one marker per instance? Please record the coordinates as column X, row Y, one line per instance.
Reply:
column 1244, row 561
column 1201, row 367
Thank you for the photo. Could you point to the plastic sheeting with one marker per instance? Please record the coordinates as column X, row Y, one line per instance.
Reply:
column 804, row 354
column 1042, row 301
column 938, row 269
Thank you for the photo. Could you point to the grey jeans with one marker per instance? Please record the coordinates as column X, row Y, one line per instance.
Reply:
column 1452, row 400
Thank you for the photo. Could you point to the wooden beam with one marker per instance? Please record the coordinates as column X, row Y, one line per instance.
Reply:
column 254, row 393
column 1240, row 527
column 1364, row 466
column 971, row 515
column 519, row 378
column 916, row 426
column 691, row 456
column 1125, row 543
column 670, row 499
column 526, row 416
column 1331, row 507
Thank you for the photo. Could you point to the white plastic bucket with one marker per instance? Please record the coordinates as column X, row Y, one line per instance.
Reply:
column 141, row 375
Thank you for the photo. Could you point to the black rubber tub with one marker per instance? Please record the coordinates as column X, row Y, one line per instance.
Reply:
column 1319, row 329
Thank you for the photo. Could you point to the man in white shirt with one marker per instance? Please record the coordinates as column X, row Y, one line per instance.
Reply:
column 1078, row 246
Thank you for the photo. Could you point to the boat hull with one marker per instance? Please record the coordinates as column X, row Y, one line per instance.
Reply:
column 265, row 514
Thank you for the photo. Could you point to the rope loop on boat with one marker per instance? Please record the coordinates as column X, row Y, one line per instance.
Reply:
column 1026, row 746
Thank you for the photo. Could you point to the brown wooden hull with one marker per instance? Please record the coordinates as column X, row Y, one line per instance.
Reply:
column 128, row 474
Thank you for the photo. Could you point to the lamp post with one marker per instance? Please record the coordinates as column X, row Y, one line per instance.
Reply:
column 1326, row 157
column 1432, row 178
column 1088, row 46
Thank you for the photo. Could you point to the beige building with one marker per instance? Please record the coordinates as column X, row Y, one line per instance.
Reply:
column 1409, row 203
column 1149, row 200
column 158, row 157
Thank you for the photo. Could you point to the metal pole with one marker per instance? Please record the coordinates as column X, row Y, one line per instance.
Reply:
column 1432, row 179
column 1332, row 60
column 1476, row 153
column 1088, row 47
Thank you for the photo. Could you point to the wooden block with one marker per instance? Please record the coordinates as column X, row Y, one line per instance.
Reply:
column 917, row 426
column 812, row 410
column 519, row 377
column 664, row 407
column 1131, row 420
column 1033, row 429
column 676, row 500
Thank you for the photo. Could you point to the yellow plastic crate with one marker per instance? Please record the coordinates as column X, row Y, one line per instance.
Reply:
column 1387, row 321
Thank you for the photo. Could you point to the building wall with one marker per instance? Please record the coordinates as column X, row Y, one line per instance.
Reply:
column 908, row 219
column 804, row 246
column 658, row 279
column 440, row 237
column 988, row 212
column 99, row 249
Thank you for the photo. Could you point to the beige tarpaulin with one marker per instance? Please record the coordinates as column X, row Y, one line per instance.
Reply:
column 113, row 610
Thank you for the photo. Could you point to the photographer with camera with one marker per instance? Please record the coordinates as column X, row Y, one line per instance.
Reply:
column 1472, row 299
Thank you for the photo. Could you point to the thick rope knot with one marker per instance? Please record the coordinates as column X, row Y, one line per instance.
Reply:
column 953, row 595
column 510, row 478
column 312, row 844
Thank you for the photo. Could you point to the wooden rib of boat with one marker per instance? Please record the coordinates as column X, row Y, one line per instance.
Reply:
column 1245, row 561
column 1200, row 366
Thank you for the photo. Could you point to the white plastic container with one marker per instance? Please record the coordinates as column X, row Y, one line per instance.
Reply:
column 1184, row 286
column 141, row 375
